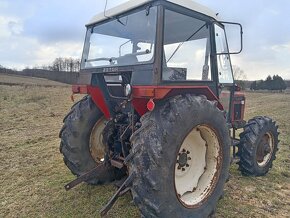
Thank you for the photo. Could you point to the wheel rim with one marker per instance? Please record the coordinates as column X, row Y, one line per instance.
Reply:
column 96, row 141
column 197, row 166
column 265, row 149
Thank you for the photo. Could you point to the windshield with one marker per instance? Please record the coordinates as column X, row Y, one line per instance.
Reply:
column 127, row 40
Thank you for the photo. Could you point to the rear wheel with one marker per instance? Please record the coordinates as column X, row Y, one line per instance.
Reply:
column 181, row 159
column 81, row 141
column 258, row 146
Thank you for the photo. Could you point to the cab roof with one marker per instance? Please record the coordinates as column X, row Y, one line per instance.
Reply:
column 131, row 4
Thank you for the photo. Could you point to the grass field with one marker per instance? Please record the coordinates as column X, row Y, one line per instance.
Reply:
column 33, row 173
column 6, row 79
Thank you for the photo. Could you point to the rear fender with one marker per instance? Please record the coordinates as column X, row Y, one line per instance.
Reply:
column 142, row 94
column 96, row 94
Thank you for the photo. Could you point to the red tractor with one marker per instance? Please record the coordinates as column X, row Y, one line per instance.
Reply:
column 162, row 110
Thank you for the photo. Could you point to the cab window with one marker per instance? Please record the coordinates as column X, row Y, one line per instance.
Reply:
column 186, row 48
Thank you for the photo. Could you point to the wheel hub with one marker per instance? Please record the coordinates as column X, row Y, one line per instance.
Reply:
column 265, row 149
column 96, row 141
column 183, row 159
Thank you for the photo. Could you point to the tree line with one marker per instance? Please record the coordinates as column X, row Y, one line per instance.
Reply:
column 5, row 70
column 63, row 64
column 271, row 83
column 59, row 64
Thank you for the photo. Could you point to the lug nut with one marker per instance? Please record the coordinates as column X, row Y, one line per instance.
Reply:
column 183, row 169
column 179, row 167
column 188, row 152
column 187, row 165
column 189, row 158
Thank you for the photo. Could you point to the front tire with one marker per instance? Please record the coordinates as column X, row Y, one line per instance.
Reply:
column 258, row 146
column 180, row 125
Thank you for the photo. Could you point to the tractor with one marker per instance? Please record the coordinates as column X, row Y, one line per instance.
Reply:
column 161, row 110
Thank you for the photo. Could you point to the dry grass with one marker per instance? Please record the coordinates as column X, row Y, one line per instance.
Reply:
column 6, row 79
column 267, row 196
column 33, row 173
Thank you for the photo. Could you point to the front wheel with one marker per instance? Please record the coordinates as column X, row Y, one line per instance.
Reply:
column 182, row 158
column 258, row 146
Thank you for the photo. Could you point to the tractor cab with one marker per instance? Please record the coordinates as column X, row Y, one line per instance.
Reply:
column 155, row 49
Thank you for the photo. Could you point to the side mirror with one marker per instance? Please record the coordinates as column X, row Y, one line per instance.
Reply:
column 232, row 29
column 237, row 88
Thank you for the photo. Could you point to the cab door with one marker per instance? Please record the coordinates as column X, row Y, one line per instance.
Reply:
column 224, row 67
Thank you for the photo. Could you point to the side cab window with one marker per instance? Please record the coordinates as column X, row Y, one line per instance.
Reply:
column 225, row 74
column 223, row 59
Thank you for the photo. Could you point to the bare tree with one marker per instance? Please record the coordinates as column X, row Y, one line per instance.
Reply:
column 239, row 74
column 62, row 64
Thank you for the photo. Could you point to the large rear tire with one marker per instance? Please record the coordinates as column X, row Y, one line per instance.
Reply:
column 81, row 142
column 258, row 146
column 181, row 158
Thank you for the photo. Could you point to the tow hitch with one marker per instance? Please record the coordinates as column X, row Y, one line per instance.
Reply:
column 89, row 175
column 123, row 188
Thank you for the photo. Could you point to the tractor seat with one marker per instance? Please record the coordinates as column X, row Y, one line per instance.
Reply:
column 128, row 59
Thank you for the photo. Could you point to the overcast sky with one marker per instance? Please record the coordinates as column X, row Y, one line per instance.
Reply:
column 35, row 32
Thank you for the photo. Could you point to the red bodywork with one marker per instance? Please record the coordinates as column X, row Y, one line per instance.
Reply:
column 142, row 94
column 96, row 94
column 238, row 107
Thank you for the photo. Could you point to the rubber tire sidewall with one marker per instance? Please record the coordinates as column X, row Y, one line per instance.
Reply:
column 250, row 139
column 75, row 140
column 167, row 126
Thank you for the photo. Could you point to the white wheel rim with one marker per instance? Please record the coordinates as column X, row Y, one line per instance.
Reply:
column 267, row 157
column 196, row 179
column 97, row 148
